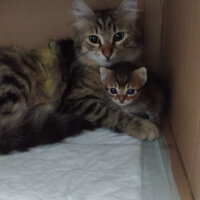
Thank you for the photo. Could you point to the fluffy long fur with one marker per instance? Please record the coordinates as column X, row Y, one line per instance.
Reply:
column 104, row 24
column 86, row 96
column 31, row 88
column 32, row 130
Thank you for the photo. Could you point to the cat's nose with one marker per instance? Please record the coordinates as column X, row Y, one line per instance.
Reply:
column 107, row 50
column 121, row 99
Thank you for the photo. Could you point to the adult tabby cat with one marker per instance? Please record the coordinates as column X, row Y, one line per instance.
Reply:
column 103, row 38
column 31, row 87
column 134, row 89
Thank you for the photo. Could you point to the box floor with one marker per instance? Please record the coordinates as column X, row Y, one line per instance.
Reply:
column 95, row 165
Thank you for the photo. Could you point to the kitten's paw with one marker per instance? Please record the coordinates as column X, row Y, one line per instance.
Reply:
column 143, row 130
column 148, row 130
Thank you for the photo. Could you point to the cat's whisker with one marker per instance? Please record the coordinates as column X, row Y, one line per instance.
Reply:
column 78, row 59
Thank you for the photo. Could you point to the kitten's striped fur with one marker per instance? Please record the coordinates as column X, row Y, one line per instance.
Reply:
column 88, row 98
column 86, row 95
column 31, row 87
column 148, row 99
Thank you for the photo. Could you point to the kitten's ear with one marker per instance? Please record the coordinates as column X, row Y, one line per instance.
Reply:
column 128, row 8
column 104, row 73
column 80, row 10
column 140, row 75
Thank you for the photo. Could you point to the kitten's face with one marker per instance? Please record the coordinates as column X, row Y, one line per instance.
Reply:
column 123, row 89
column 106, row 37
column 121, row 95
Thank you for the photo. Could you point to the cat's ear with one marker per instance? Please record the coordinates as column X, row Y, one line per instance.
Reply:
column 81, row 11
column 104, row 73
column 140, row 75
column 128, row 9
column 128, row 5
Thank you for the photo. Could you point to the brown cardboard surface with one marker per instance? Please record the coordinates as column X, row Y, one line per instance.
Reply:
column 176, row 162
column 182, row 62
column 195, row 63
column 196, row 174
column 31, row 23
column 153, row 11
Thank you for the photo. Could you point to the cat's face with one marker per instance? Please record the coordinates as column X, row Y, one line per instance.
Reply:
column 123, row 89
column 108, row 36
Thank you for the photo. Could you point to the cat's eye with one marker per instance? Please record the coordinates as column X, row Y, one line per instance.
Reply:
column 94, row 39
column 113, row 91
column 118, row 36
column 130, row 91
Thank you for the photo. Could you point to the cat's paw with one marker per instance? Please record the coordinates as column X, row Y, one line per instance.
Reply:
column 148, row 131
column 143, row 129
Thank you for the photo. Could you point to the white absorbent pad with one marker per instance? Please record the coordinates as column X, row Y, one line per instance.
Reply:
column 97, row 165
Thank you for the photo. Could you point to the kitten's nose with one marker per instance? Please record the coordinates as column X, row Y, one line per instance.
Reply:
column 107, row 50
column 121, row 98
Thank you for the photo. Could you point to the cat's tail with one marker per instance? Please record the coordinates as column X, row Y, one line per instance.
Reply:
column 40, row 127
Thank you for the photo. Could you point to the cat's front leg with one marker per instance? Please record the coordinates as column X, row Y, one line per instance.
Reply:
column 132, row 125
column 141, row 129
column 106, row 116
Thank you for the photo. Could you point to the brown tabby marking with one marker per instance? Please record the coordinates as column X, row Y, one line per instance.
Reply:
column 31, row 88
column 95, row 31
column 128, row 86
column 87, row 98
column 108, row 36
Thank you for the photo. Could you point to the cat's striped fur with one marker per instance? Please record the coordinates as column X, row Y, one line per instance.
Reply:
column 87, row 97
column 31, row 87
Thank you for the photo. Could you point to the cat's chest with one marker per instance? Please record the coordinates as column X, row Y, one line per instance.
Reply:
column 86, row 83
column 93, row 74
column 134, row 107
column 92, row 81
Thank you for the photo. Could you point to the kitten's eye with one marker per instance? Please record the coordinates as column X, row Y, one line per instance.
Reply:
column 113, row 91
column 130, row 91
column 94, row 39
column 118, row 36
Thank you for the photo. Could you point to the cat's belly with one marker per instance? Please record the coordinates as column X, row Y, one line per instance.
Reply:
column 131, row 108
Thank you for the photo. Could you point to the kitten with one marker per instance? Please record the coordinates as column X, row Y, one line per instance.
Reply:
column 133, row 90
column 101, row 39
column 31, row 87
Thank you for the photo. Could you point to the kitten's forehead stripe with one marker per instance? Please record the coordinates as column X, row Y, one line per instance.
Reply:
column 99, row 24
column 122, row 79
column 96, row 29
column 114, row 27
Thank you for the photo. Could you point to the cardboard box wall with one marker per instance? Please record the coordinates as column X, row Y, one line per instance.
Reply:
column 172, row 49
column 181, row 66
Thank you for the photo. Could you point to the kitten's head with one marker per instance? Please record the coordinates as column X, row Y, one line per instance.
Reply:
column 122, row 83
column 107, row 36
